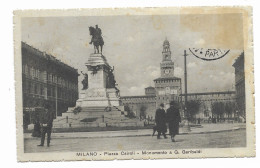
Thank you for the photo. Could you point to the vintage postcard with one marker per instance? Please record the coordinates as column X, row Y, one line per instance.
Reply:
column 134, row 83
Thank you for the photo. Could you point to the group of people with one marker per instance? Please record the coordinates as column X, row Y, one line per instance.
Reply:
column 171, row 116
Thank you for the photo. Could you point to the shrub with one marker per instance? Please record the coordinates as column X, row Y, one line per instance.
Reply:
column 77, row 110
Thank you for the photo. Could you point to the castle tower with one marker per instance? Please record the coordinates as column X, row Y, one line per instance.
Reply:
column 167, row 86
column 167, row 66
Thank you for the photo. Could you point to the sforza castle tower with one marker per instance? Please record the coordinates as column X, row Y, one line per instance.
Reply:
column 167, row 86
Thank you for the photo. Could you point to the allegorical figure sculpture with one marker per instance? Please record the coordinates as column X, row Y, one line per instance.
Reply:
column 111, row 82
column 96, row 39
column 85, row 81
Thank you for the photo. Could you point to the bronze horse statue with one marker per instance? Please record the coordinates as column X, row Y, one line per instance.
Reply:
column 96, row 39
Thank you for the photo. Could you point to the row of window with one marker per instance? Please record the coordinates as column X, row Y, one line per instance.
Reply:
column 209, row 96
column 63, row 82
column 167, row 81
column 167, row 98
column 32, row 72
column 40, row 89
column 42, row 75
column 61, row 93
column 29, row 87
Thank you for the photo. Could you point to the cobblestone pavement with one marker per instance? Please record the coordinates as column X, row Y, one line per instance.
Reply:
column 226, row 139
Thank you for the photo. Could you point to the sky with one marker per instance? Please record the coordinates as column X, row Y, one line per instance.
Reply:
column 133, row 45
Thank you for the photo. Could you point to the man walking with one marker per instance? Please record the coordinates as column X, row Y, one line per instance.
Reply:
column 173, row 118
column 160, row 120
column 46, row 120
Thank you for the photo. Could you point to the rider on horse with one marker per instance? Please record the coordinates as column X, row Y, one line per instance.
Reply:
column 97, row 39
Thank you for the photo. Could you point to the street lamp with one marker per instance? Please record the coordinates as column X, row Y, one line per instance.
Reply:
column 186, row 126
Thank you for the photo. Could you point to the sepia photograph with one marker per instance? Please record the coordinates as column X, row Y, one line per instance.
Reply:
column 134, row 83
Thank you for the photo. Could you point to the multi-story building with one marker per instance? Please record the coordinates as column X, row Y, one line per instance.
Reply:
column 240, row 84
column 46, row 80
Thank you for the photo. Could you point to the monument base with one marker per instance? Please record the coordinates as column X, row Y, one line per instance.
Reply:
column 98, row 97
column 99, row 105
column 96, row 116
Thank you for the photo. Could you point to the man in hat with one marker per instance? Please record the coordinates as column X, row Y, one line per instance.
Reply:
column 173, row 118
column 46, row 119
column 160, row 120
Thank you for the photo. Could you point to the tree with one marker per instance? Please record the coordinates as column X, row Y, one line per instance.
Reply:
column 218, row 108
column 229, row 108
column 193, row 107
column 130, row 113
column 143, row 111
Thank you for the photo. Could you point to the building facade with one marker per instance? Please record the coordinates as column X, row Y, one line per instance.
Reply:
column 207, row 99
column 145, row 104
column 240, row 84
column 169, row 87
column 150, row 91
column 46, row 80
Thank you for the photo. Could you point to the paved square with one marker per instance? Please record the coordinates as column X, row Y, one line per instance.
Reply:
column 226, row 139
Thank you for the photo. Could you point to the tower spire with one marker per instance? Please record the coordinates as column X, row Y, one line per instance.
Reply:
column 166, row 50
column 167, row 66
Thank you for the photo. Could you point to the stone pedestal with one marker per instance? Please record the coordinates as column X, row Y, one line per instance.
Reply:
column 97, row 93
column 100, row 103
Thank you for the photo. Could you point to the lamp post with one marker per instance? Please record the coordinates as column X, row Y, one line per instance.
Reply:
column 186, row 127
column 185, row 84
column 56, row 99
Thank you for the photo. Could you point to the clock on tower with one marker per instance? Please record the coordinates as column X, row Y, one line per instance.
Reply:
column 166, row 71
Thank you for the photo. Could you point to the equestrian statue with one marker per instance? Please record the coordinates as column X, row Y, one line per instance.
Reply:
column 96, row 39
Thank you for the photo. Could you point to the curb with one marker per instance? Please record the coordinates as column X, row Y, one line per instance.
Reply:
column 118, row 136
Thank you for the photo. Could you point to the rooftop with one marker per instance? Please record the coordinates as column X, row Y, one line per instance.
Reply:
column 209, row 93
column 46, row 56
column 167, row 78
column 150, row 87
column 143, row 96
column 239, row 59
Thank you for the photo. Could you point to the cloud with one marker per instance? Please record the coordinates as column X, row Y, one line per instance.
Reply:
column 178, row 72
column 153, row 71
column 132, row 91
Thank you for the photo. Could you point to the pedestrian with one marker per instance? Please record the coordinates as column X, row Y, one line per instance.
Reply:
column 173, row 118
column 37, row 129
column 46, row 119
column 209, row 120
column 160, row 120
